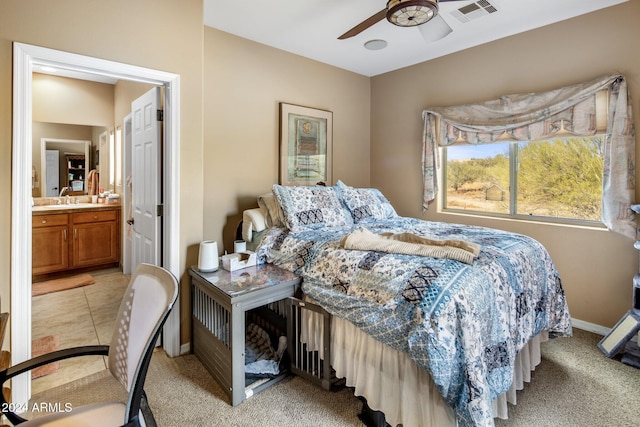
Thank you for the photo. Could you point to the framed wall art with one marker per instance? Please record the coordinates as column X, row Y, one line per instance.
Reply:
column 305, row 145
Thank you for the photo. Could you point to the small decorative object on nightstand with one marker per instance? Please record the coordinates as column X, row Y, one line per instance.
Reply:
column 208, row 256
column 621, row 335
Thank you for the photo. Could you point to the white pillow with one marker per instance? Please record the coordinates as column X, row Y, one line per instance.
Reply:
column 253, row 220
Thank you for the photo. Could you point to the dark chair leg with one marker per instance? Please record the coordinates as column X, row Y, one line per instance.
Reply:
column 149, row 420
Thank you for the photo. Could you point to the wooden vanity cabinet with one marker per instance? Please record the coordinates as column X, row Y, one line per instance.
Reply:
column 95, row 238
column 50, row 247
column 74, row 241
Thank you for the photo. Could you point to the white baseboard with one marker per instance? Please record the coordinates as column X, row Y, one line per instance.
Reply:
column 590, row 327
column 185, row 349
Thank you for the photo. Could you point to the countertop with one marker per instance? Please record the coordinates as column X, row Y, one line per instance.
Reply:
column 74, row 207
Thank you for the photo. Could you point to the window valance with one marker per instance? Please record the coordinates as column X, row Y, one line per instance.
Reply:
column 535, row 116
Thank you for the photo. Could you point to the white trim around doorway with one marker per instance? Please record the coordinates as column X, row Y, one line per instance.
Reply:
column 25, row 57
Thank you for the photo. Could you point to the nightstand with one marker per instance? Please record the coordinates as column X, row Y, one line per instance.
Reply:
column 222, row 304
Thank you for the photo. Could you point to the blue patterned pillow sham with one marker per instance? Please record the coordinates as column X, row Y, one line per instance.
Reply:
column 311, row 207
column 365, row 204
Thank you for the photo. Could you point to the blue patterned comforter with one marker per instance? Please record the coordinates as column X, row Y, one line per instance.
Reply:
column 463, row 323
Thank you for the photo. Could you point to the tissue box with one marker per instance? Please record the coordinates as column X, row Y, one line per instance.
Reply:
column 237, row 261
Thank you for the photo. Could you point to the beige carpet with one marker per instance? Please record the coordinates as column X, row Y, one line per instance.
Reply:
column 42, row 346
column 576, row 385
column 55, row 285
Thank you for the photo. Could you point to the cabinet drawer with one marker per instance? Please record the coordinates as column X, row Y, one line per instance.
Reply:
column 38, row 221
column 96, row 216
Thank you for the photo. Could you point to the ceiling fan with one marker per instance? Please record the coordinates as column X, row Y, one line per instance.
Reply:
column 405, row 13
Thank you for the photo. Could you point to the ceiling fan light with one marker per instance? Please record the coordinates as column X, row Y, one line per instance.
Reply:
column 436, row 30
column 409, row 13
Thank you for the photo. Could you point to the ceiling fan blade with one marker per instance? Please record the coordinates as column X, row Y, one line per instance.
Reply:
column 364, row 25
column 436, row 29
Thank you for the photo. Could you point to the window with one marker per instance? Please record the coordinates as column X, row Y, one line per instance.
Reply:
column 601, row 105
column 558, row 178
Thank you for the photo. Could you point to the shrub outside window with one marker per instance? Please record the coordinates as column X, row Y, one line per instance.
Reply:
column 556, row 179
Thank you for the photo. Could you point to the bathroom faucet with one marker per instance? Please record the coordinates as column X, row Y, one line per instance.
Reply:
column 63, row 191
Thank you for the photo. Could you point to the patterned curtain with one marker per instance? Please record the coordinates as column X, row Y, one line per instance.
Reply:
column 535, row 116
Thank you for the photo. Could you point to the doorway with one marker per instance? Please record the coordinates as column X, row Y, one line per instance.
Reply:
column 25, row 57
column 50, row 149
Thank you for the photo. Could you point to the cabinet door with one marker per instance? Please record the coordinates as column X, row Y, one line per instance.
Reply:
column 95, row 243
column 50, row 249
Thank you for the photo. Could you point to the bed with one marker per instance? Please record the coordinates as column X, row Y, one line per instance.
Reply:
column 433, row 323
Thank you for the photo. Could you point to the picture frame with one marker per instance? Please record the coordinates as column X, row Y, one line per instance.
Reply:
column 306, row 145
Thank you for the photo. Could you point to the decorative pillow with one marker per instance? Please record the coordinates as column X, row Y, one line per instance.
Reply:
column 365, row 204
column 311, row 207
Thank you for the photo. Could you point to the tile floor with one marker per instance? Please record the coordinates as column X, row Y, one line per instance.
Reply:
column 80, row 316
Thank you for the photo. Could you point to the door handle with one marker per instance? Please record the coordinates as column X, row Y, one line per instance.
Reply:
column 130, row 221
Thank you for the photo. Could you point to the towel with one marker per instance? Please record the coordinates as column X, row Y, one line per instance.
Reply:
column 93, row 179
column 411, row 244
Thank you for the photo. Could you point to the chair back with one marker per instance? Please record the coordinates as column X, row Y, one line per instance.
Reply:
column 146, row 304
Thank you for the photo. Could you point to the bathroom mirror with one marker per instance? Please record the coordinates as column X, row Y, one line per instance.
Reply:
column 63, row 164
column 73, row 125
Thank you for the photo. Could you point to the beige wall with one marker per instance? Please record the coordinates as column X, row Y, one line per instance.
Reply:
column 166, row 36
column 243, row 85
column 79, row 102
column 597, row 267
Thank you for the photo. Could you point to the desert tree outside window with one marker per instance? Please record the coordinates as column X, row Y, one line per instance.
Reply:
column 557, row 178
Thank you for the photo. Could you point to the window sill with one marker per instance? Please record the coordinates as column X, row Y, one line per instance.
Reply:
column 566, row 223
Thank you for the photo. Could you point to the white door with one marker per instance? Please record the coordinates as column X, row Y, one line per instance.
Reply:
column 52, row 178
column 146, row 172
column 126, row 193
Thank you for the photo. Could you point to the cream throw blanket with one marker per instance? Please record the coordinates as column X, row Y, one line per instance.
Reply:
column 410, row 244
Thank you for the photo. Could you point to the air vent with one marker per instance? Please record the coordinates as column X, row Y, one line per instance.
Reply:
column 473, row 11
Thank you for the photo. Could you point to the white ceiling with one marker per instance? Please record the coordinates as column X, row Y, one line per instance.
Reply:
column 310, row 28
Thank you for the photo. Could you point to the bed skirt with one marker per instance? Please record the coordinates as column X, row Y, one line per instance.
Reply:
column 393, row 384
